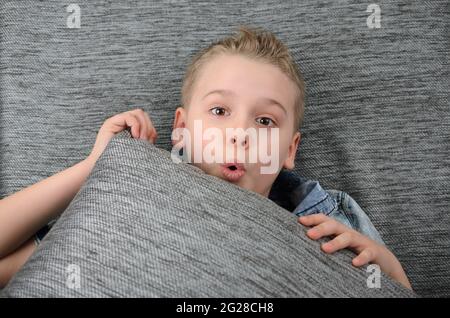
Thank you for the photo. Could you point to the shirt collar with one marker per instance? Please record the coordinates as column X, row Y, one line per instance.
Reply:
column 300, row 195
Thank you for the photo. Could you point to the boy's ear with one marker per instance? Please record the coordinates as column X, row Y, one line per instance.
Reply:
column 179, row 121
column 180, row 118
column 289, row 163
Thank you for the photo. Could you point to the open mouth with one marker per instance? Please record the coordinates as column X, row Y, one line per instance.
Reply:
column 233, row 171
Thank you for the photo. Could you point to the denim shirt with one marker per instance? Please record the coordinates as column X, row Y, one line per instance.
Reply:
column 304, row 197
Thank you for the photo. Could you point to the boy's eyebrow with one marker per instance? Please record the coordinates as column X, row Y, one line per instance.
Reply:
column 226, row 92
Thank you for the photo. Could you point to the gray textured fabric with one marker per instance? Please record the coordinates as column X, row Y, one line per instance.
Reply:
column 377, row 121
column 142, row 225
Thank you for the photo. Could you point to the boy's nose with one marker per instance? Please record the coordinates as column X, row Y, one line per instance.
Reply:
column 240, row 141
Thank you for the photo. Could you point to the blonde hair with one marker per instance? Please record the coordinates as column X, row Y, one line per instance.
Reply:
column 257, row 44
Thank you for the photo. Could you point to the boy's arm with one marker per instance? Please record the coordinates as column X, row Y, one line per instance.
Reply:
column 368, row 250
column 10, row 264
column 23, row 213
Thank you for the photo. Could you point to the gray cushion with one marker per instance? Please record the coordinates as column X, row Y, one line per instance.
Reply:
column 143, row 225
column 377, row 122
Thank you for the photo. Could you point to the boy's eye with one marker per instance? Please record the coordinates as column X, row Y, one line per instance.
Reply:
column 219, row 111
column 265, row 121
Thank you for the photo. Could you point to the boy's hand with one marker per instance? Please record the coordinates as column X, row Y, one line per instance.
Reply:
column 137, row 119
column 367, row 249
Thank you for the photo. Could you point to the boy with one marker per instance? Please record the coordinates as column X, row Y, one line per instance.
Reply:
column 246, row 81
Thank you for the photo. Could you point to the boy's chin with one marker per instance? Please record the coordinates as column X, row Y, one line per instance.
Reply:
column 244, row 181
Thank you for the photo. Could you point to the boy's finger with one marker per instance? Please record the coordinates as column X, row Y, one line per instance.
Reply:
column 338, row 243
column 139, row 114
column 313, row 219
column 363, row 258
column 152, row 134
column 131, row 121
column 323, row 229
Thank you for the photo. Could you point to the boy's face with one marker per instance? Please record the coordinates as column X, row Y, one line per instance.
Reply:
column 245, row 86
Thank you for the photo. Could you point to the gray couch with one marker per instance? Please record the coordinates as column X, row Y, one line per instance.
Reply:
column 377, row 120
column 144, row 226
